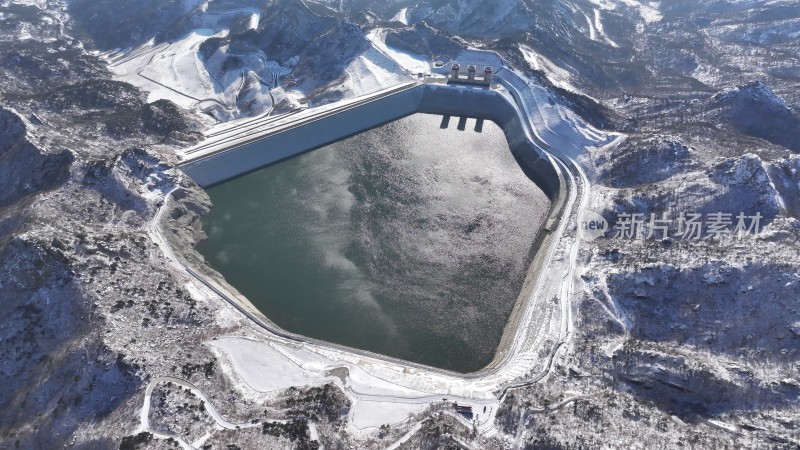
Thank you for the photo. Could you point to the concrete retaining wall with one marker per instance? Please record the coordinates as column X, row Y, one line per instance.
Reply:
column 491, row 105
column 339, row 124
column 273, row 148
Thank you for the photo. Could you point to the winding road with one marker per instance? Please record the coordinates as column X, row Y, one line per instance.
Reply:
column 221, row 422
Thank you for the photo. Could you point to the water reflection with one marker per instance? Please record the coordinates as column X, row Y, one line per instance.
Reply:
column 407, row 240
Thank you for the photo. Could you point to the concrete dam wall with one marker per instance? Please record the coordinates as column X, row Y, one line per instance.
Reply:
column 234, row 156
column 491, row 105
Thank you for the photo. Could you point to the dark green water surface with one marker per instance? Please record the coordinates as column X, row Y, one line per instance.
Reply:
column 407, row 240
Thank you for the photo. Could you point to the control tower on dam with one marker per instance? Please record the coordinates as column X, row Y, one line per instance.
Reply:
column 248, row 146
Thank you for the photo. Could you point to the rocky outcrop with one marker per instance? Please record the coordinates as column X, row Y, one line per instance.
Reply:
column 688, row 387
column 291, row 33
column 128, row 179
column 112, row 25
column 424, row 40
column 753, row 109
column 746, row 187
column 122, row 109
column 95, row 94
column 643, row 160
column 785, row 176
column 686, row 305
column 54, row 373
column 24, row 168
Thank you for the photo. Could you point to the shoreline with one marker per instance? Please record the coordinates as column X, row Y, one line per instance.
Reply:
column 527, row 305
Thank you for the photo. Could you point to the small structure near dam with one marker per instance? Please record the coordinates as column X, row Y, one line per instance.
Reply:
column 485, row 79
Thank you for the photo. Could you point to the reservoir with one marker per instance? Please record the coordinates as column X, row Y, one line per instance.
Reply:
column 407, row 240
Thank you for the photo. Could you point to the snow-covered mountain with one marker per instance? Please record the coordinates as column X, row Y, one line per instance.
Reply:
column 667, row 108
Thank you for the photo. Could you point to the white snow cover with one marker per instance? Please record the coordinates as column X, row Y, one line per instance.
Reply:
column 212, row 19
column 408, row 61
column 372, row 71
column 558, row 76
column 41, row 4
column 176, row 72
column 401, row 16
column 171, row 72
column 269, row 368
column 562, row 128
column 266, row 369
column 598, row 24
column 369, row 414
column 648, row 11
column 553, row 123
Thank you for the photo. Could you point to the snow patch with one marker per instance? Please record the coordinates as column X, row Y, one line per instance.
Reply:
column 604, row 4
column 372, row 71
column 555, row 124
column 401, row 16
column 648, row 11
column 370, row 414
column 177, row 73
column 41, row 4
column 598, row 24
column 24, row 34
column 265, row 369
column 408, row 61
column 172, row 72
column 592, row 30
column 558, row 76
